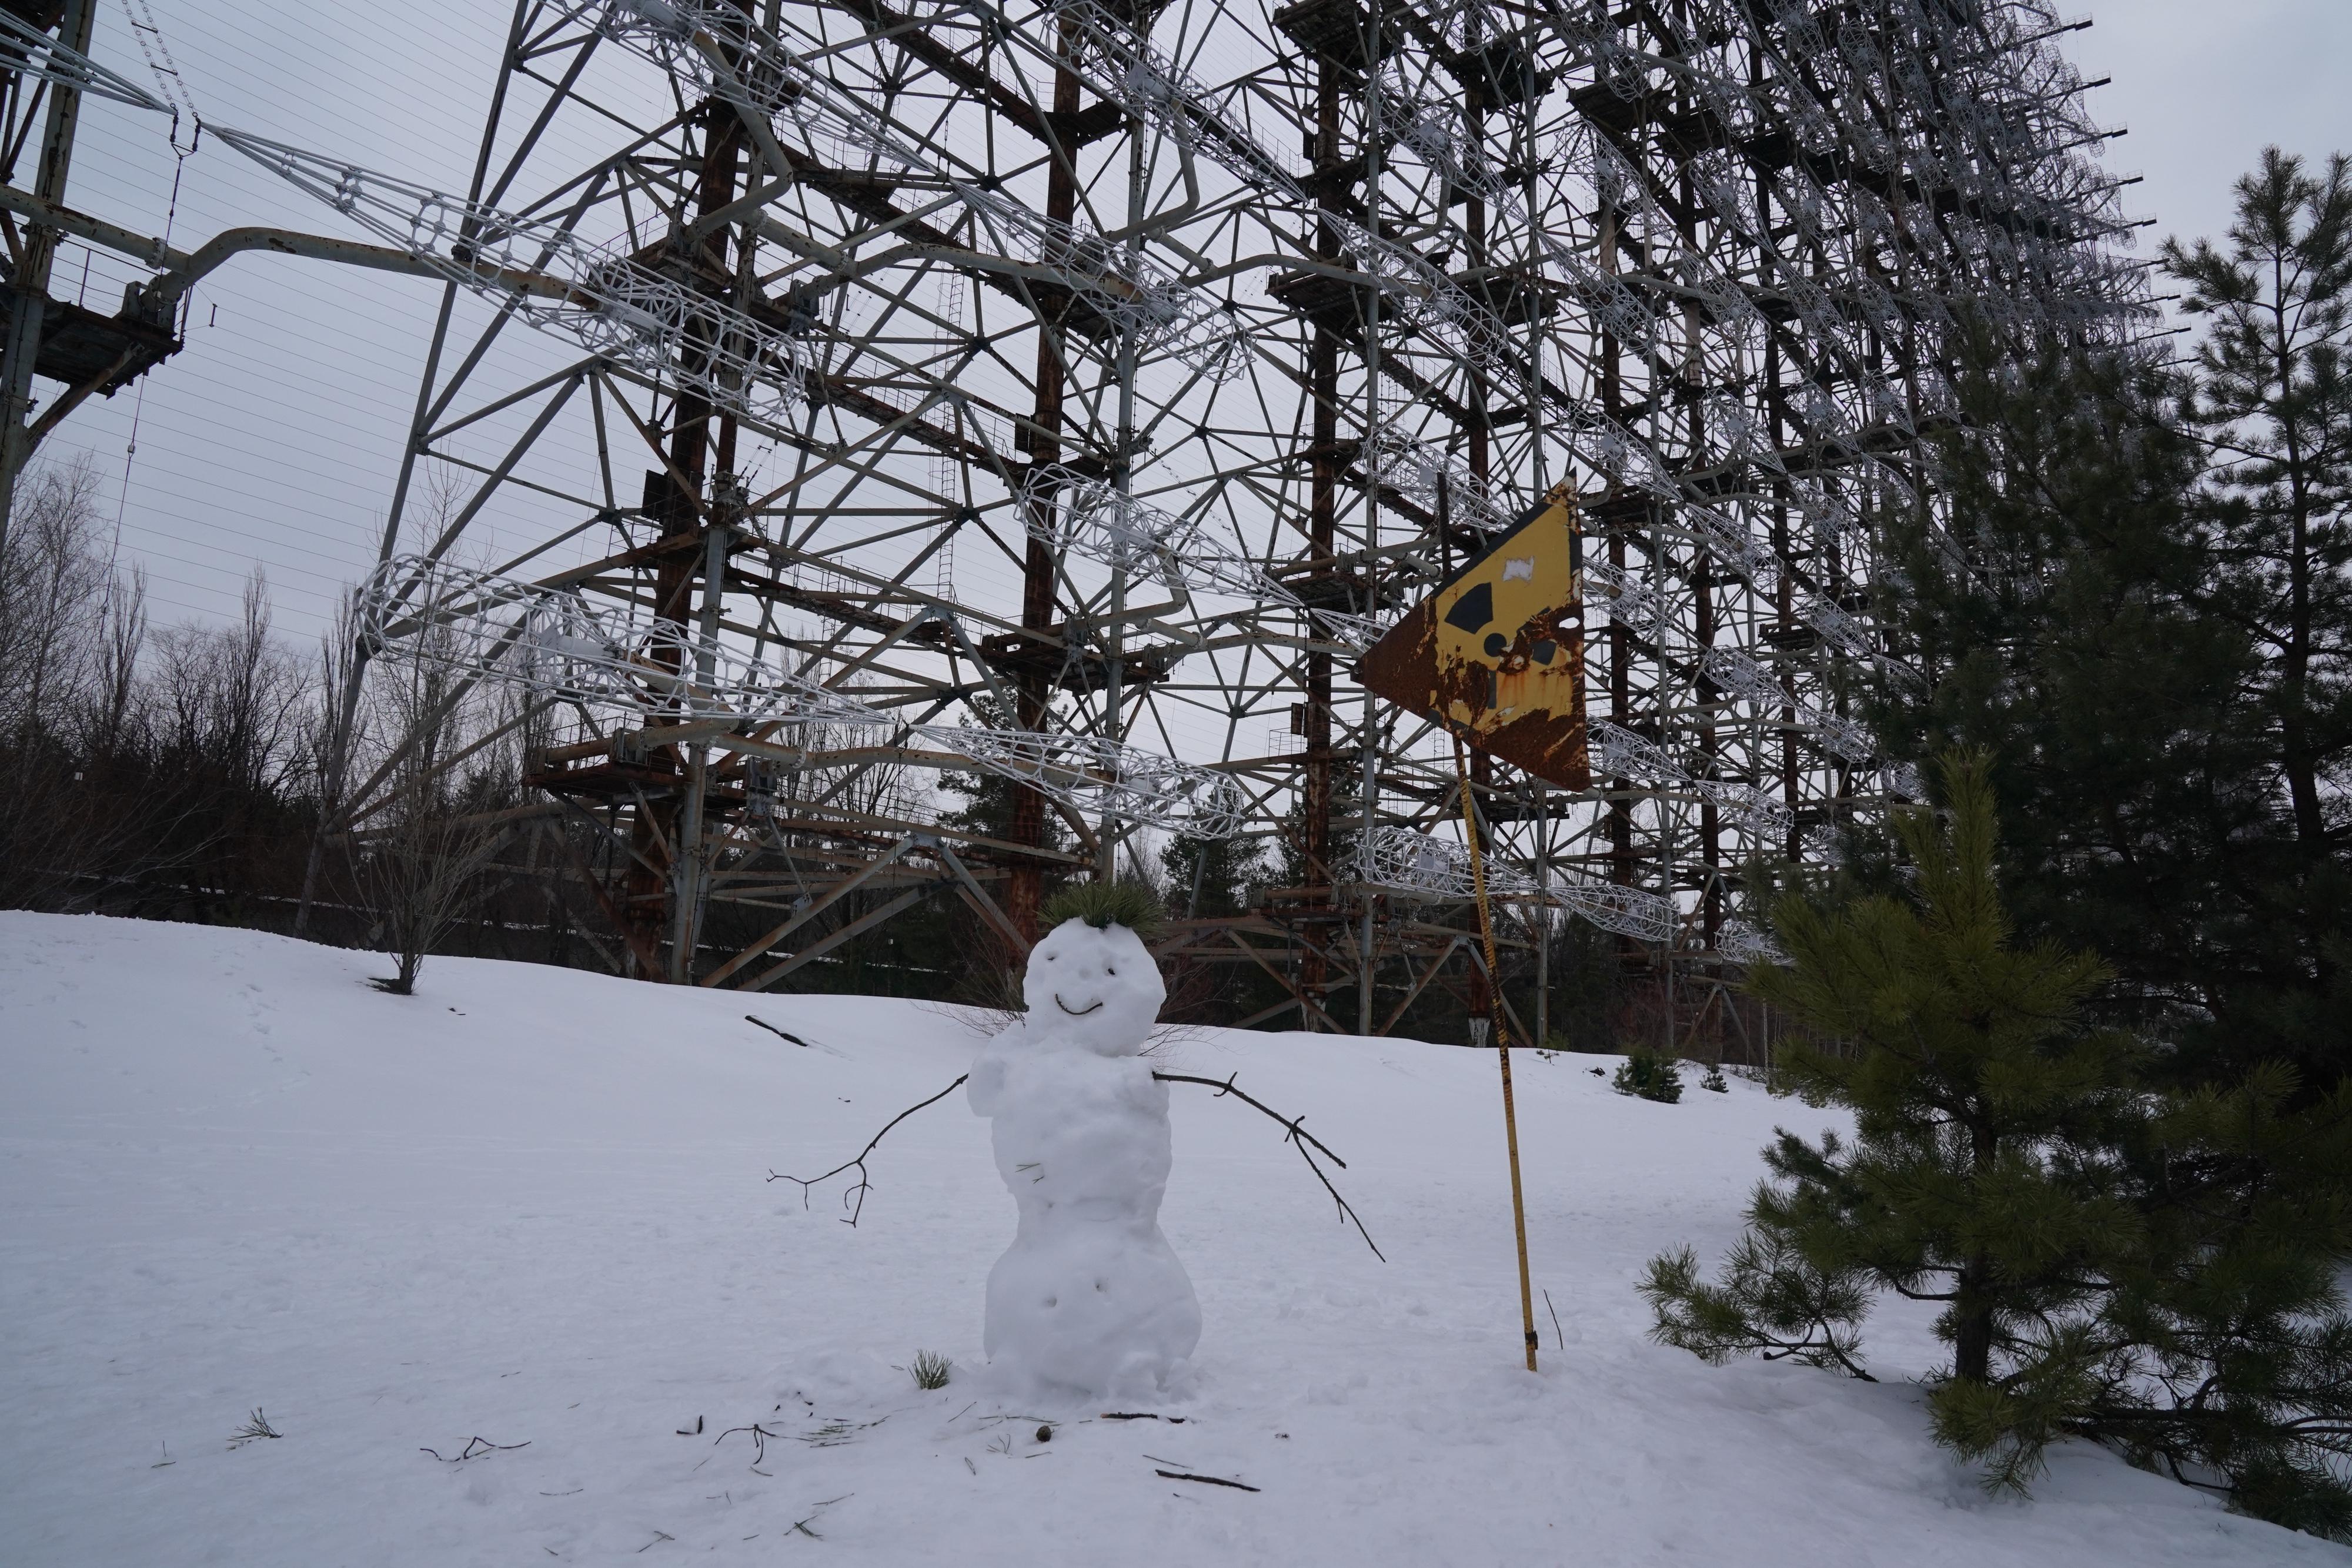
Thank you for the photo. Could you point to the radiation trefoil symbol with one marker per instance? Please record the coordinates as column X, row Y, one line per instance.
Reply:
column 1496, row 654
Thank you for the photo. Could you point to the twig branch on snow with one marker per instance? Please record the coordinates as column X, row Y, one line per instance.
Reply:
column 1294, row 1135
column 855, row 1198
column 1207, row 1480
column 803, row 1524
column 474, row 1448
column 257, row 1426
column 759, row 1435
column 771, row 1028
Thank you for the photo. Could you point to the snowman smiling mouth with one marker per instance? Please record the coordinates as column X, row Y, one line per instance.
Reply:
column 1095, row 1006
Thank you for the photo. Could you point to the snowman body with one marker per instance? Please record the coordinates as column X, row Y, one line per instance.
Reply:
column 1090, row 1299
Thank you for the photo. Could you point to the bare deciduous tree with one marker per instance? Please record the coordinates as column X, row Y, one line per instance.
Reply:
column 68, row 655
column 434, row 826
column 52, row 581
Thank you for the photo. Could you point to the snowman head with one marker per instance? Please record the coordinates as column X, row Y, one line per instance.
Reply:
column 1095, row 985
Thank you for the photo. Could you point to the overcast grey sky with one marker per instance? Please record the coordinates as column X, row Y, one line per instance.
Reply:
column 2204, row 86
column 273, row 438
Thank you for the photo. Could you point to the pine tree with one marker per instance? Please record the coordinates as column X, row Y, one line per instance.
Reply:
column 2054, row 630
column 1649, row 1074
column 2138, row 617
column 1209, row 877
column 1976, row 1178
column 2140, row 610
column 2271, row 399
column 2233, row 1344
column 2153, row 1268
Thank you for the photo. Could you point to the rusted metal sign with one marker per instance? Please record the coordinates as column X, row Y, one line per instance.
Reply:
column 1496, row 654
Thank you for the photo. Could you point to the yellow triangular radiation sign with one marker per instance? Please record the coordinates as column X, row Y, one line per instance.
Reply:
column 1496, row 654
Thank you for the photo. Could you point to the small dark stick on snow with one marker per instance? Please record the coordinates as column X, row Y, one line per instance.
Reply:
column 857, row 1192
column 1207, row 1480
column 759, row 1435
column 771, row 1028
column 474, row 1448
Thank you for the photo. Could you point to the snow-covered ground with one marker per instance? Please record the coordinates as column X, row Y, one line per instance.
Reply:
column 527, row 1207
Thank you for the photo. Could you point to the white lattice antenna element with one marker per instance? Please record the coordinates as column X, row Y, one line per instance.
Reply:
column 720, row 51
column 558, row 642
column 1629, row 911
column 1409, row 862
column 599, row 299
column 1095, row 775
column 1443, row 485
column 1092, row 518
column 1429, row 129
column 1619, row 752
column 1096, row 520
column 1748, row 680
column 1131, row 73
column 1624, row 598
column 1125, row 67
column 1744, row 943
column 25, row 50
column 1837, row 628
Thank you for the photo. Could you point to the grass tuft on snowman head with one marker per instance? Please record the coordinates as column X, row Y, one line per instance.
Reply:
column 1103, row 904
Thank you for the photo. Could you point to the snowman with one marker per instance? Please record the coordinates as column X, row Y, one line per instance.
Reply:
column 1089, row 1300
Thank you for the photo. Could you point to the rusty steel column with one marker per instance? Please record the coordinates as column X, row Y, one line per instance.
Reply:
column 651, row 898
column 1322, row 531
column 1034, row 679
column 1482, row 460
column 1703, row 626
column 1621, row 640
column 23, row 346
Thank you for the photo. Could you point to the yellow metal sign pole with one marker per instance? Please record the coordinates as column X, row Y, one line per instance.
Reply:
column 1502, row 1045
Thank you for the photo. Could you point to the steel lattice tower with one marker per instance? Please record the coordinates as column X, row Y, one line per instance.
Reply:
column 1112, row 372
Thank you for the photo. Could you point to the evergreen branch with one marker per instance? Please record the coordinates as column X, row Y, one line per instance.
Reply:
column 1771, row 1303
column 1911, row 1295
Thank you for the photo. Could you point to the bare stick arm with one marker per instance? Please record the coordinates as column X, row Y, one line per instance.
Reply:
column 1225, row 1086
column 1294, row 1135
column 855, row 1197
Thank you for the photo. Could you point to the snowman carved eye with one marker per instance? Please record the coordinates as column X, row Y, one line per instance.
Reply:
column 1109, row 970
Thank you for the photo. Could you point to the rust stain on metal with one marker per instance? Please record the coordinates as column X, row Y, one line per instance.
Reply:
column 1496, row 654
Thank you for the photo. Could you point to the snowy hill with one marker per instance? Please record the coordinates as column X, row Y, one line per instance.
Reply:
column 527, row 1205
